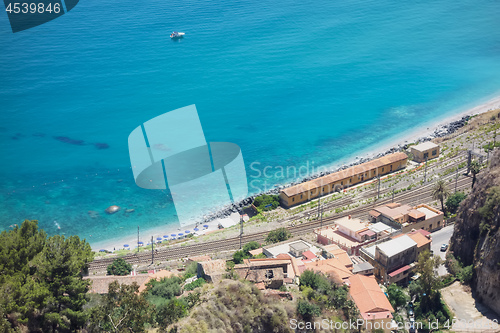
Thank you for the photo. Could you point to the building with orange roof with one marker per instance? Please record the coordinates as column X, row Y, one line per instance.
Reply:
column 256, row 251
column 298, row 194
column 349, row 234
column 405, row 218
column 422, row 238
column 393, row 259
column 100, row 284
column 374, row 307
column 332, row 267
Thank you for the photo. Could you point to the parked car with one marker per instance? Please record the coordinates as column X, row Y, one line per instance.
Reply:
column 444, row 247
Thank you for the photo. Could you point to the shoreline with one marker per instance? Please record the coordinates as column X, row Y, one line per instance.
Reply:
column 425, row 132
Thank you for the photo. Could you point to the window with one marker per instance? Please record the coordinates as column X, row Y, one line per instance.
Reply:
column 426, row 155
column 269, row 274
column 434, row 152
column 301, row 196
column 382, row 169
column 391, row 167
column 293, row 199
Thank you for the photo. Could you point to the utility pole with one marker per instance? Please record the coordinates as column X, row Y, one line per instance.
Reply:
column 152, row 251
column 321, row 217
column 137, row 239
column 456, row 180
column 319, row 201
column 241, row 229
column 425, row 172
column 378, row 195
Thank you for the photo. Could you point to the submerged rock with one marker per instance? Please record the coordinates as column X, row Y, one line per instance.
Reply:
column 112, row 209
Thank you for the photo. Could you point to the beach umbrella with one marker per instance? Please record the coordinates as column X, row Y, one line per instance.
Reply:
column 125, row 245
column 205, row 226
column 140, row 243
column 187, row 232
column 149, row 244
column 102, row 250
column 173, row 235
column 159, row 238
column 196, row 229
column 165, row 236
column 180, row 234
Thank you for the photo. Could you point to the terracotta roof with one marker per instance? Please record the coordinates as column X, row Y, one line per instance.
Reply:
column 423, row 232
column 161, row 274
column 342, row 174
column 420, row 239
column 393, row 211
column 309, row 255
column 416, row 214
column 256, row 251
column 368, row 296
column 367, row 233
column 399, row 271
column 374, row 213
column 260, row 285
column 295, row 266
column 343, row 257
column 283, row 256
column 100, row 283
column 417, row 236
column 330, row 266
column 213, row 266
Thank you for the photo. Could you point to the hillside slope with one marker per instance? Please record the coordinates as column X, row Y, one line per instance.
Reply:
column 476, row 239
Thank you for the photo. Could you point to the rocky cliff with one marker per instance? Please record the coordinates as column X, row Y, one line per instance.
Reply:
column 476, row 238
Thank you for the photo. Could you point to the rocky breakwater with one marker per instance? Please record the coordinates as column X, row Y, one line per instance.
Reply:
column 476, row 238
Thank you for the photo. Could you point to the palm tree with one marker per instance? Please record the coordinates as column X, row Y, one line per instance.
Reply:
column 440, row 192
column 475, row 167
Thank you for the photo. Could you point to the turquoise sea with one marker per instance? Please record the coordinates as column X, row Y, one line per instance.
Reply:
column 290, row 82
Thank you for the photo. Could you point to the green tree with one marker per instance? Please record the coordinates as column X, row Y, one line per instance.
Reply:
column 475, row 167
column 465, row 275
column 415, row 289
column 250, row 246
column 429, row 280
column 244, row 253
column 454, row 200
column 440, row 192
column 307, row 310
column 239, row 255
column 119, row 267
column 170, row 312
column 41, row 278
column 278, row 235
column 158, row 292
column 397, row 296
column 123, row 310
column 266, row 202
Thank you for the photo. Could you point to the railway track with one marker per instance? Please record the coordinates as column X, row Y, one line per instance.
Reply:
column 421, row 194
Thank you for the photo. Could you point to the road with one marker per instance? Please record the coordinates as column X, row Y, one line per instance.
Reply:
column 439, row 238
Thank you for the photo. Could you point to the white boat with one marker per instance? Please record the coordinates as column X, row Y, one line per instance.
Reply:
column 176, row 34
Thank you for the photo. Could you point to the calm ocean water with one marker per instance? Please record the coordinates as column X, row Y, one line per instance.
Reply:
column 290, row 82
